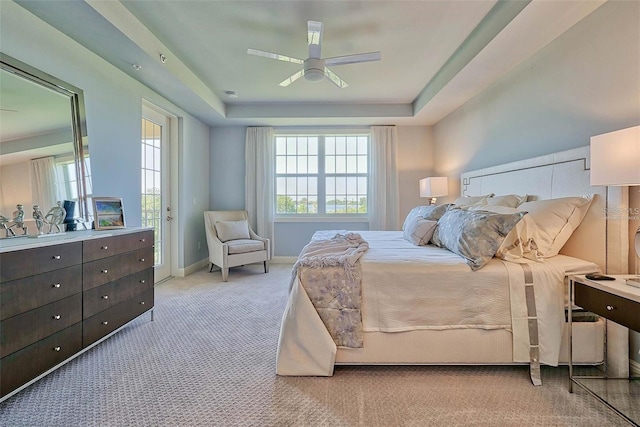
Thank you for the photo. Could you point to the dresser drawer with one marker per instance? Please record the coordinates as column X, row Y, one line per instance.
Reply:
column 620, row 310
column 22, row 366
column 24, row 329
column 110, row 246
column 109, row 320
column 102, row 297
column 29, row 262
column 22, row 295
column 107, row 270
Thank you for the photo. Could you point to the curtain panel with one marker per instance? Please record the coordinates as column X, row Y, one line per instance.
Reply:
column 44, row 187
column 259, row 180
column 384, row 202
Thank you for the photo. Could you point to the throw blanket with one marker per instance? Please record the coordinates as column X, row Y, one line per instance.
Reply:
column 330, row 273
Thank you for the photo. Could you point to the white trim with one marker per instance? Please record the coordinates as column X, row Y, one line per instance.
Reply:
column 197, row 266
column 635, row 368
column 320, row 131
column 315, row 218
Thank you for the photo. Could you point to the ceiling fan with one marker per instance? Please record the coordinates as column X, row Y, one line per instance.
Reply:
column 316, row 68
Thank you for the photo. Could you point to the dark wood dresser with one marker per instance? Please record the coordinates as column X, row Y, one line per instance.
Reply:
column 61, row 295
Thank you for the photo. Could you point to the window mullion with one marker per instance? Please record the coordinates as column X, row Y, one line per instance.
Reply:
column 322, row 202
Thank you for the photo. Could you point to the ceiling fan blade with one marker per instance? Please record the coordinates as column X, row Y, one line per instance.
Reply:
column 314, row 38
column 335, row 79
column 352, row 59
column 274, row 56
column 292, row 78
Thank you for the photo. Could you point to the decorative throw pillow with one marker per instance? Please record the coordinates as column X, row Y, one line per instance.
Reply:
column 510, row 200
column 419, row 231
column 556, row 220
column 474, row 235
column 472, row 200
column 431, row 212
column 232, row 230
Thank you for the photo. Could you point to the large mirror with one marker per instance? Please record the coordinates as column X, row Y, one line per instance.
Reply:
column 44, row 156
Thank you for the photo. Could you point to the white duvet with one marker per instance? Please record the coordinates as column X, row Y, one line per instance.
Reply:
column 407, row 287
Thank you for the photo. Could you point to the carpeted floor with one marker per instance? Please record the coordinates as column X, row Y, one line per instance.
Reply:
column 208, row 359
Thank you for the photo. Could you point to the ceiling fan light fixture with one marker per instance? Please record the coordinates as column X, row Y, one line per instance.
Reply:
column 314, row 69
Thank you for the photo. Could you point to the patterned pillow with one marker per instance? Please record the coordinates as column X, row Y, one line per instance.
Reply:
column 419, row 231
column 474, row 235
column 431, row 212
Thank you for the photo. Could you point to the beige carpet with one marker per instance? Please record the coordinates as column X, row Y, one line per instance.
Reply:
column 208, row 359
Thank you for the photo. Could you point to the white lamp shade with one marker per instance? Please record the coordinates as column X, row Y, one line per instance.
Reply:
column 434, row 186
column 615, row 157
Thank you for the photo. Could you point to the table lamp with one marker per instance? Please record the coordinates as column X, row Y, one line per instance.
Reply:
column 434, row 187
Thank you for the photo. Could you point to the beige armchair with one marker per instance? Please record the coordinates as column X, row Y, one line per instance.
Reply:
column 232, row 242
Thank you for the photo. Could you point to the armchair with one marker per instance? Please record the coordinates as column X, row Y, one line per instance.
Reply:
column 232, row 242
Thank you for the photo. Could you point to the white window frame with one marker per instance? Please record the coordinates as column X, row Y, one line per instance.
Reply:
column 322, row 216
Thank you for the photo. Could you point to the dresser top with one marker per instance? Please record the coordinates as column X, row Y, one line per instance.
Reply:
column 23, row 242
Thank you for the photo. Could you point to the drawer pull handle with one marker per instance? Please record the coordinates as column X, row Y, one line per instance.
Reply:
column 55, row 285
column 105, row 271
column 105, row 247
column 610, row 308
column 141, row 302
column 105, row 296
column 105, row 323
column 143, row 281
column 57, row 348
column 56, row 317
column 56, row 257
column 143, row 240
column 141, row 259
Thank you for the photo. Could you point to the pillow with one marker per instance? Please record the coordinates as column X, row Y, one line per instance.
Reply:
column 431, row 212
column 472, row 200
column 510, row 200
column 474, row 235
column 232, row 230
column 419, row 231
column 520, row 244
column 556, row 220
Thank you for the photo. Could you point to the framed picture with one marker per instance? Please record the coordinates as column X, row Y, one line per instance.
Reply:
column 108, row 213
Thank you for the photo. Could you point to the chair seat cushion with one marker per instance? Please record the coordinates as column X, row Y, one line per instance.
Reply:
column 242, row 246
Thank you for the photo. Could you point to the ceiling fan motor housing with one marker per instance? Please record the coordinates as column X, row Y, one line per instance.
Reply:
column 314, row 69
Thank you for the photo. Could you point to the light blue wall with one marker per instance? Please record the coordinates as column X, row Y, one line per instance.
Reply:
column 113, row 103
column 585, row 83
column 582, row 84
column 291, row 237
column 227, row 168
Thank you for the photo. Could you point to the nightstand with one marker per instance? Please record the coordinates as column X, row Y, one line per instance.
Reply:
column 618, row 302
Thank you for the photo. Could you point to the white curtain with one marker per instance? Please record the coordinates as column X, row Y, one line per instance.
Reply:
column 259, row 180
column 384, row 204
column 44, row 187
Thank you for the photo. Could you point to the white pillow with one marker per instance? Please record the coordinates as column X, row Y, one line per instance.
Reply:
column 232, row 230
column 472, row 200
column 510, row 200
column 419, row 231
column 556, row 220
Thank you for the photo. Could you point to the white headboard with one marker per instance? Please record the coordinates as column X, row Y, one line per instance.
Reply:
column 602, row 237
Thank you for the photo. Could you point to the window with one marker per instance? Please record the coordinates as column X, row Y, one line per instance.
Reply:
column 66, row 180
column 322, row 174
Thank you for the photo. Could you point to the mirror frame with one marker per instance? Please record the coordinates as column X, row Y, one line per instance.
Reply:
column 78, row 117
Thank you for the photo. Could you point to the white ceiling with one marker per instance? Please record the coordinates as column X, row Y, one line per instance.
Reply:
column 436, row 55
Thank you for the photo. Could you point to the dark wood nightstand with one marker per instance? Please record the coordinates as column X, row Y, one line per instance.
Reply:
column 618, row 302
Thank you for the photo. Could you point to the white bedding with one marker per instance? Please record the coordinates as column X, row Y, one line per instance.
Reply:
column 407, row 287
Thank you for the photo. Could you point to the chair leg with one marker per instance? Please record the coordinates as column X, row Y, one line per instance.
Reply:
column 266, row 266
column 225, row 274
column 211, row 269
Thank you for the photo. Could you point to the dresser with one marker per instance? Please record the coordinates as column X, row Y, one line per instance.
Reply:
column 61, row 295
column 618, row 302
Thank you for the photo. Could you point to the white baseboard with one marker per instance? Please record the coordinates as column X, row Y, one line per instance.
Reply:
column 284, row 259
column 182, row 272
column 635, row 368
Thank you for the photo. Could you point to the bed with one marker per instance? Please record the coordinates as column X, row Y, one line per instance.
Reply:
column 497, row 324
